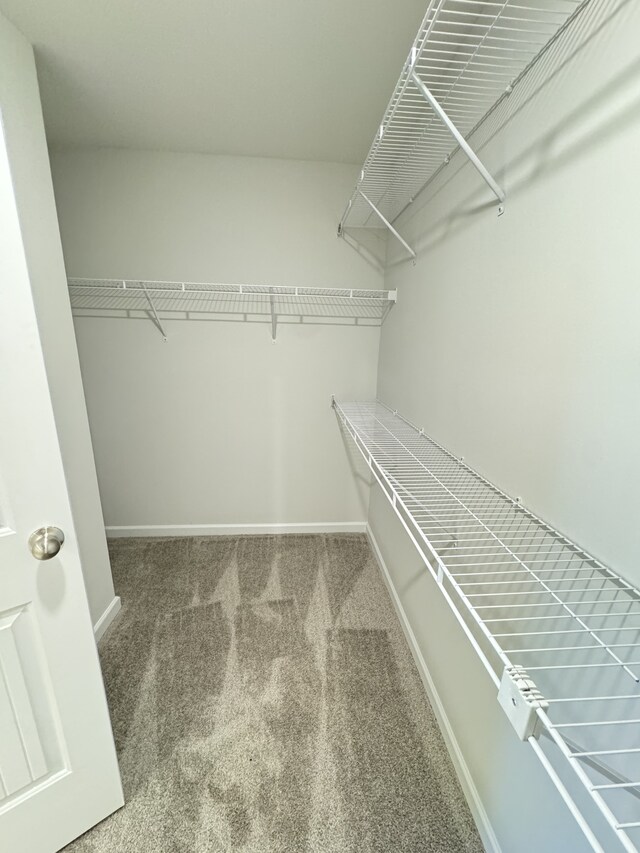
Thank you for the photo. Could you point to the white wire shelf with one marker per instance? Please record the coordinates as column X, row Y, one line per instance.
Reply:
column 244, row 302
column 467, row 56
column 526, row 596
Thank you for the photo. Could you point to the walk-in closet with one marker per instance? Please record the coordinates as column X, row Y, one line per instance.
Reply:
column 319, row 352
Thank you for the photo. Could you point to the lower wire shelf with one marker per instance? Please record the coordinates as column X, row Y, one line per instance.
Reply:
column 557, row 631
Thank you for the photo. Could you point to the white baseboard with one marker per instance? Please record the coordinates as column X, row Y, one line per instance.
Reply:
column 236, row 529
column 107, row 617
column 469, row 789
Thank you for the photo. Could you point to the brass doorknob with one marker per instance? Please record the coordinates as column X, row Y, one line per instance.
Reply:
column 45, row 542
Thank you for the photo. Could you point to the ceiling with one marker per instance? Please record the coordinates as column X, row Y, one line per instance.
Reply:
column 295, row 79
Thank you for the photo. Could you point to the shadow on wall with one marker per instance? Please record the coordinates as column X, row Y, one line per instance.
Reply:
column 579, row 132
column 359, row 470
column 374, row 254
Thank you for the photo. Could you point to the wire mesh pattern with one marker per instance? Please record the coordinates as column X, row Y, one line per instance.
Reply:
column 126, row 298
column 469, row 54
column 525, row 595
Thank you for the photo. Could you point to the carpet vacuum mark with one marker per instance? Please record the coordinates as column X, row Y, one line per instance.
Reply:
column 264, row 700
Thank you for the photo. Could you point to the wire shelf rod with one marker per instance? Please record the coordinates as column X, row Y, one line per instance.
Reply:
column 517, row 583
column 558, row 618
column 624, row 697
column 578, row 563
column 615, row 785
column 548, row 549
column 571, row 631
column 579, row 665
column 522, row 572
column 568, row 799
column 606, row 752
column 516, row 538
column 533, row 592
column 547, row 604
column 555, row 649
column 594, row 723
column 583, row 777
column 505, row 562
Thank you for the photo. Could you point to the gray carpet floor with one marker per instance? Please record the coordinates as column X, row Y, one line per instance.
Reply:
column 264, row 700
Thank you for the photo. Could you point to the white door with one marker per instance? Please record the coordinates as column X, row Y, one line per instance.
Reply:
column 58, row 769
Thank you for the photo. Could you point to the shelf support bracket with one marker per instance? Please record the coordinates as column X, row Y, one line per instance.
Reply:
column 462, row 142
column 393, row 298
column 388, row 224
column 274, row 318
column 156, row 319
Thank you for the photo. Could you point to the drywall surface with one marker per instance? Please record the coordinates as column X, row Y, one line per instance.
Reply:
column 515, row 344
column 24, row 131
column 217, row 426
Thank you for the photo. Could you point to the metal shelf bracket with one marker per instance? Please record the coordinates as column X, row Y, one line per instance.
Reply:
column 155, row 318
column 462, row 142
column 274, row 317
column 387, row 224
column 520, row 700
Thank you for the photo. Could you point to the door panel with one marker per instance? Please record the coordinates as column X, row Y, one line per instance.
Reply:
column 58, row 769
column 29, row 748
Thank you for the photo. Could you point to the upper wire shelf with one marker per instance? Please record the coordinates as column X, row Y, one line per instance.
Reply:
column 526, row 596
column 251, row 302
column 468, row 54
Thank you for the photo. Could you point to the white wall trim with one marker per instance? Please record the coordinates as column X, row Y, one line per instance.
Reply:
column 480, row 816
column 235, row 529
column 107, row 617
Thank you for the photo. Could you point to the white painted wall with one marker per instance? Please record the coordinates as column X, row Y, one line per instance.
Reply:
column 515, row 343
column 218, row 426
column 24, row 131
